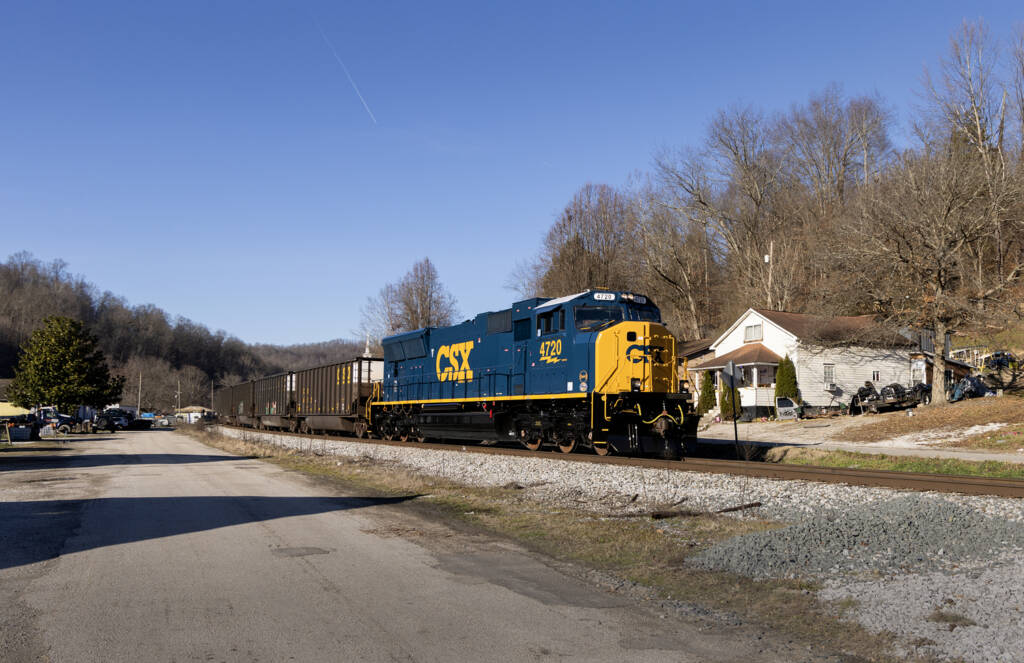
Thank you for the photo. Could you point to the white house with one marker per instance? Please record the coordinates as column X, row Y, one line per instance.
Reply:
column 833, row 356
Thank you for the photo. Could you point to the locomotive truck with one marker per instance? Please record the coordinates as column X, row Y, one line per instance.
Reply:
column 592, row 370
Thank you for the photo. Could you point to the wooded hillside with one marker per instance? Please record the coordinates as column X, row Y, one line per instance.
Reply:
column 171, row 354
column 813, row 210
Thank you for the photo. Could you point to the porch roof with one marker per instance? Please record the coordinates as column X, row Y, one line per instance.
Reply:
column 750, row 353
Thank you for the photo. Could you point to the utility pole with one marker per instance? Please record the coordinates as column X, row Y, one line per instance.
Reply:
column 177, row 396
column 138, row 412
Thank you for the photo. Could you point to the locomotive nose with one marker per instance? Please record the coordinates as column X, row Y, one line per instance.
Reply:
column 635, row 356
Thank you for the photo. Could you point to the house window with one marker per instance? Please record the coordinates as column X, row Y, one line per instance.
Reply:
column 765, row 376
column 875, row 376
column 751, row 333
column 830, row 374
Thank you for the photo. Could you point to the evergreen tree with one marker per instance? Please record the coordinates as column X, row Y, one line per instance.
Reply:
column 730, row 409
column 706, row 402
column 785, row 380
column 61, row 365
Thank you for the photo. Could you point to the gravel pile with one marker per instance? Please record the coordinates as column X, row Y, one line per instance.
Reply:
column 973, row 616
column 911, row 532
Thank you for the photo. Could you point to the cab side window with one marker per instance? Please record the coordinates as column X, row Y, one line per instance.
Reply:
column 551, row 322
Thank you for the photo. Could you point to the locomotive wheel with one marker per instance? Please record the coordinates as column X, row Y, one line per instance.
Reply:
column 534, row 443
column 602, row 449
column 568, row 445
column 360, row 429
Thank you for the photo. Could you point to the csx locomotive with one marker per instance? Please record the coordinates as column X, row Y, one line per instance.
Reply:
column 596, row 369
column 592, row 370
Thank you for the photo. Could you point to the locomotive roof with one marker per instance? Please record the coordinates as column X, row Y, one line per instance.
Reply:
column 618, row 296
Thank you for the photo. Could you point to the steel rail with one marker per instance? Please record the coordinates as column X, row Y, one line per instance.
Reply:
column 916, row 481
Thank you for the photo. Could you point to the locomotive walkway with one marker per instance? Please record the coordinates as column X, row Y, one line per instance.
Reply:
column 148, row 546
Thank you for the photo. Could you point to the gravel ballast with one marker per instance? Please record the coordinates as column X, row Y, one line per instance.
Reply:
column 908, row 532
column 907, row 560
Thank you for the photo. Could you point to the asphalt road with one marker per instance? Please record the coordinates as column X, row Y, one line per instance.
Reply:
column 149, row 546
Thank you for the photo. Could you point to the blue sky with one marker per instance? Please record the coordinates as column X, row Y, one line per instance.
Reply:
column 213, row 159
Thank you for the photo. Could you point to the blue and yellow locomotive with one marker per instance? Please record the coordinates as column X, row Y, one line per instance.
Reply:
column 596, row 369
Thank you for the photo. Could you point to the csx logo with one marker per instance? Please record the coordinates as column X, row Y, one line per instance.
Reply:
column 453, row 362
column 642, row 353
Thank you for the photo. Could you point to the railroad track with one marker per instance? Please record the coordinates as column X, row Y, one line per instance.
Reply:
column 917, row 481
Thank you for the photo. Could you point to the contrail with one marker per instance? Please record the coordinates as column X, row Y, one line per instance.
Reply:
column 345, row 69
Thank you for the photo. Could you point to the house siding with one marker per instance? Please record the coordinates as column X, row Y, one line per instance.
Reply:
column 853, row 366
column 773, row 337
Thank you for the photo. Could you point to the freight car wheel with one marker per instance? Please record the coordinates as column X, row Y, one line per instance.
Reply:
column 569, row 444
column 360, row 429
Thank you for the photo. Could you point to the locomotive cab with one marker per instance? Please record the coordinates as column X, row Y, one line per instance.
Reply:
column 612, row 347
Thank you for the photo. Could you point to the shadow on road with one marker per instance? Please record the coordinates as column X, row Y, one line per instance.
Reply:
column 37, row 531
column 69, row 460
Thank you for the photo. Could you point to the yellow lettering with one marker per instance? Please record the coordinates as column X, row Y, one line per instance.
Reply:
column 455, row 358
column 443, row 375
column 465, row 372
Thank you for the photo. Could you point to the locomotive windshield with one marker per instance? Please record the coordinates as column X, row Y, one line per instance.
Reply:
column 646, row 314
column 591, row 318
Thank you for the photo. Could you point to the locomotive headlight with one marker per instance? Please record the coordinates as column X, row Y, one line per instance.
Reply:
column 636, row 384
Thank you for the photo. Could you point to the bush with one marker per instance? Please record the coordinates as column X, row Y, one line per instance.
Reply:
column 706, row 402
column 785, row 380
column 730, row 409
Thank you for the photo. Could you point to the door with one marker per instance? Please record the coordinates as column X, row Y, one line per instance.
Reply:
column 522, row 330
column 548, row 355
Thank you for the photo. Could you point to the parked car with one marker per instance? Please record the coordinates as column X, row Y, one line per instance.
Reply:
column 970, row 387
column 108, row 422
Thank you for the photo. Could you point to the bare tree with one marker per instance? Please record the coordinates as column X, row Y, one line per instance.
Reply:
column 918, row 229
column 831, row 142
column 417, row 300
column 733, row 187
column 682, row 272
column 969, row 102
column 589, row 244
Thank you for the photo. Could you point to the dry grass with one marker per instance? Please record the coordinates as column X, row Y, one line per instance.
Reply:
column 640, row 550
column 1009, row 439
column 853, row 460
column 953, row 619
column 954, row 416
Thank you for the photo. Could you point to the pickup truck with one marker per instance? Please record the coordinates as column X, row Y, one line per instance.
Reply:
column 62, row 423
